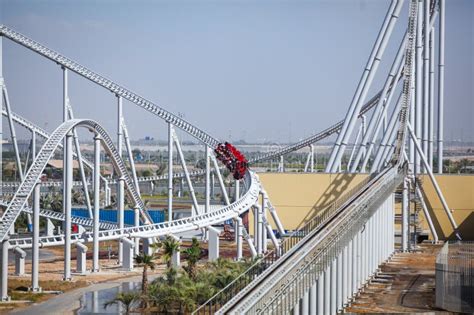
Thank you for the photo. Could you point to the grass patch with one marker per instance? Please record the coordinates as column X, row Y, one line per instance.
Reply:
column 18, row 288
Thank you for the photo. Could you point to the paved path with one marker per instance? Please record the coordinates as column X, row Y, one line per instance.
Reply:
column 69, row 302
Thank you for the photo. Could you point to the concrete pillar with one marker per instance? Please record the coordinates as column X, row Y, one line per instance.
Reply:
column 49, row 227
column 4, row 279
column 20, row 256
column 147, row 249
column 213, row 243
column 176, row 258
column 238, row 232
column 127, row 259
column 81, row 255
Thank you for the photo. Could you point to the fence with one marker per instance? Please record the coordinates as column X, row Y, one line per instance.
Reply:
column 455, row 277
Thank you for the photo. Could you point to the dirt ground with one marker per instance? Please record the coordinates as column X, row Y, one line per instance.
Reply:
column 406, row 284
column 51, row 273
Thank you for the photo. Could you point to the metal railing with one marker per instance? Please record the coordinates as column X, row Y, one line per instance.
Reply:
column 317, row 253
column 263, row 263
column 455, row 277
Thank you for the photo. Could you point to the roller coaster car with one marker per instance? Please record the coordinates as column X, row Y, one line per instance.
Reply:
column 235, row 161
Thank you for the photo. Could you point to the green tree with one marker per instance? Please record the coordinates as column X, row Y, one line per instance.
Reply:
column 146, row 261
column 193, row 254
column 128, row 300
column 168, row 246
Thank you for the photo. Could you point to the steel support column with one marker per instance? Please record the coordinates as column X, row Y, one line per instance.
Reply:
column 442, row 22
column 120, row 183
column 1, row 106
column 67, row 199
column 170, row 172
column 95, row 228
column 431, row 97
column 4, row 279
column 364, row 85
column 419, row 83
column 35, row 240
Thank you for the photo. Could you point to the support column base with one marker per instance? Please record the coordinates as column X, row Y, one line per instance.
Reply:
column 35, row 290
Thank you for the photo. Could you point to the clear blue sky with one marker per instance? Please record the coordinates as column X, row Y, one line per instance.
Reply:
column 262, row 69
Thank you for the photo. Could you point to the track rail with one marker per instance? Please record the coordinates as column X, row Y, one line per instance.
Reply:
column 108, row 84
column 319, row 247
column 313, row 251
column 34, row 172
column 250, row 197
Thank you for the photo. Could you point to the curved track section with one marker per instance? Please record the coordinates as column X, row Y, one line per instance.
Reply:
column 250, row 197
column 34, row 173
column 109, row 85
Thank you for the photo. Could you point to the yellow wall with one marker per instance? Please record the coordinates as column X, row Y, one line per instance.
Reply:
column 459, row 193
column 298, row 197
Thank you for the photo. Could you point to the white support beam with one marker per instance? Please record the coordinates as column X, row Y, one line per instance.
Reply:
column 121, row 182
column 213, row 243
column 170, row 172
column 364, row 85
column 435, row 183
column 35, row 240
column 95, row 228
column 81, row 163
column 186, row 172
column 1, row 107
column 81, row 255
column 128, row 262
column 67, row 199
column 4, row 272
column 20, row 256
column 442, row 25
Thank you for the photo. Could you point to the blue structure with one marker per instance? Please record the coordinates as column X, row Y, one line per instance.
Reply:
column 110, row 215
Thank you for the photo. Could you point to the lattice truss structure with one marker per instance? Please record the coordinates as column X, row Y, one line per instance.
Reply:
column 391, row 137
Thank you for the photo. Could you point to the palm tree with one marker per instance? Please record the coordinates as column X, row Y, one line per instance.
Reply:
column 169, row 246
column 147, row 262
column 193, row 254
column 127, row 299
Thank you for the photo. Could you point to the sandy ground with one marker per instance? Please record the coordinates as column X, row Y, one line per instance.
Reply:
column 51, row 271
column 406, row 284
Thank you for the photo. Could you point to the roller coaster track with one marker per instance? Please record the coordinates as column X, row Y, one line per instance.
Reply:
column 313, row 251
column 53, row 215
column 198, row 222
column 312, row 254
column 109, row 85
column 35, row 171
